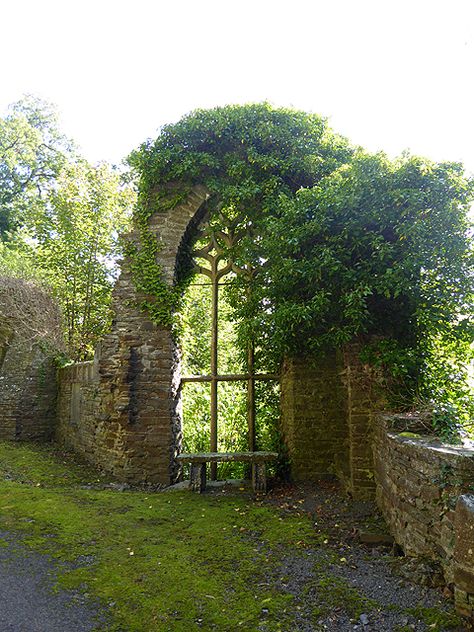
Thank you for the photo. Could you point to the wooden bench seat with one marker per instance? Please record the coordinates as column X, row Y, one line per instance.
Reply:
column 197, row 481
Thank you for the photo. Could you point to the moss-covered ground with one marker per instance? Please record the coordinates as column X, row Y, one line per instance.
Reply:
column 158, row 561
column 177, row 560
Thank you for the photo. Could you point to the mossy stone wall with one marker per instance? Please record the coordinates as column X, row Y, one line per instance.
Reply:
column 27, row 390
column 424, row 489
column 328, row 406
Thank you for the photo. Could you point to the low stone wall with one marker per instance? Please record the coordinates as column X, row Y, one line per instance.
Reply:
column 423, row 491
column 27, row 392
column 78, row 401
column 464, row 555
column 85, row 425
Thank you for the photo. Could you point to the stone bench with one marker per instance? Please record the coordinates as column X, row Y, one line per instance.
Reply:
column 197, row 481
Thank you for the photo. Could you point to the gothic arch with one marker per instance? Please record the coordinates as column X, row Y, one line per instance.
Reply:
column 138, row 425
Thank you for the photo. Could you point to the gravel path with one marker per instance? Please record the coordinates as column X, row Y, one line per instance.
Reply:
column 351, row 585
column 28, row 601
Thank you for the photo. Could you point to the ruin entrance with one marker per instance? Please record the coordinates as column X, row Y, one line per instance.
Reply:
column 230, row 398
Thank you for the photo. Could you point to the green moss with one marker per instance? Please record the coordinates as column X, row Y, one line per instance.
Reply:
column 167, row 561
column 39, row 464
column 172, row 561
column 436, row 618
column 333, row 592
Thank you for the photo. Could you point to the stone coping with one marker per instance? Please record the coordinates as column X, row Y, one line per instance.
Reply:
column 221, row 457
column 434, row 444
column 396, row 424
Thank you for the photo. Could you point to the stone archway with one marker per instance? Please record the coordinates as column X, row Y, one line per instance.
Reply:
column 131, row 420
column 123, row 410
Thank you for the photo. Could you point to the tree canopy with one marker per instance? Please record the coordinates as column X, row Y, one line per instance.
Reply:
column 343, row 244
column 32, row 153
column 60, row 218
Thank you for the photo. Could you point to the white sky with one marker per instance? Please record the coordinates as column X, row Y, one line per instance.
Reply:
column 389, row 74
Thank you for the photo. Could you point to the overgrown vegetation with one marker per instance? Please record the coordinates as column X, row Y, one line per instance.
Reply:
column 342, row 245
column 60, row 218
column 338, row 244
column 182, row 561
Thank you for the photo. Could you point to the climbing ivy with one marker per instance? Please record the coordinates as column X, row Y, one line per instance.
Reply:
column 345, row 244
column 161, row 300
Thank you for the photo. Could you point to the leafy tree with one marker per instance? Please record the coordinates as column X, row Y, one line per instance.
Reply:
column 343, row 245
column 59, row 219
column 32, row 154
column 77, row 246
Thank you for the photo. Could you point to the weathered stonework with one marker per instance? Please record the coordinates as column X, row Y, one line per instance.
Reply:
column 131, row 417
column 30, row 334
column 464, row 555
column 27, row 390
column 420, row 483
column 314, row 417
column 78, row 402
column 328, row 405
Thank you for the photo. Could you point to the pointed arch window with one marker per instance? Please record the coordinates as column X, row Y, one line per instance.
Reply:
column 213, row 260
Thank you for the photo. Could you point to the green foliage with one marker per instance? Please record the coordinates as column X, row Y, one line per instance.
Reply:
column 60, row 218
column 77, row 245
column 32, row 153
column 373, row 248
column 244, row 154
column 343, row 245
column 195, row 330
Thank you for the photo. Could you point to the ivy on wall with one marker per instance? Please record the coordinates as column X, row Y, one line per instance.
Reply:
column 345, row 244
column 161, row 300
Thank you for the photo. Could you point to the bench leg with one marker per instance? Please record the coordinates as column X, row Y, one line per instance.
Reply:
column 259, row 477
column 197, row 480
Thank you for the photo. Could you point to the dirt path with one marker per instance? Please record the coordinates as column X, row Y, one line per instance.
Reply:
column 351, row 585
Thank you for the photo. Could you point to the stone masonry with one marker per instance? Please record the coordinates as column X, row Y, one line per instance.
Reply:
column 328, row 406
column 464, row 556
column 423, row 491
column 132, row 425
column 314, row 417
column 27, row 371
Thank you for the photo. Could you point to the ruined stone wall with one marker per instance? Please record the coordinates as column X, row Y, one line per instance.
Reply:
column 77, row 404
column 132, row 423
column 30, row 334
column 314, row 417
column 328, row 406
column 464, row 556
column 27, row 391
column 419, row 482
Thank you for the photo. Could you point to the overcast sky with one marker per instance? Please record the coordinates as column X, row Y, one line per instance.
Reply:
column 390, row 75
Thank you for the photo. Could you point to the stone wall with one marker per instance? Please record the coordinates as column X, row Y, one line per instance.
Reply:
column 30, row 335
column 419, row 484
column 78, row 402
column 27, row 390
column 314, row 417
column 131, row 404
column 464, row 555
column 328, row 406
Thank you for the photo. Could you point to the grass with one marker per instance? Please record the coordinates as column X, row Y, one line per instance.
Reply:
column 172, row 560
column 164, row 560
